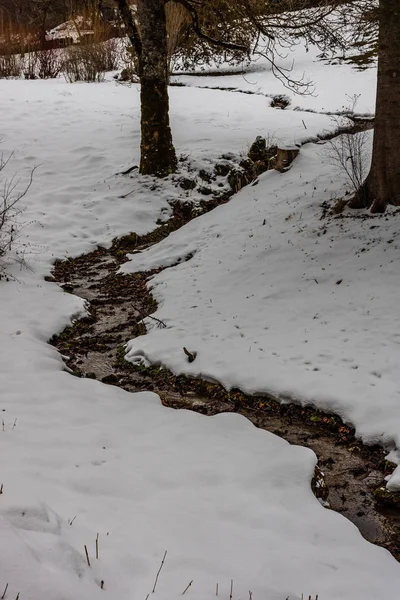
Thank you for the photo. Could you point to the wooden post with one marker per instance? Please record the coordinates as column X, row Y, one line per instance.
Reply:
column 285, row 156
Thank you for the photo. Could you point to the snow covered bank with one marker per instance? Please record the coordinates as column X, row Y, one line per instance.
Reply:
column 278, row 299
column 81, row 136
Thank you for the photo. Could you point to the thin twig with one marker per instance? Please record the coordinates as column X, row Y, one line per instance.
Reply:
column 231, row 594
column 129, row 170
column 159, row 571
column 5, row 591
column 160, row 323
column 126, row 195
column 216, row 590
column 1, row 488
column 15, row 424
column 250, row 595
column 97, row 546
column 187, row 587
column 87, row 555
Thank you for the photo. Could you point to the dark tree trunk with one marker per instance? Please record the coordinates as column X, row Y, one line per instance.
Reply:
column 157, row 151
column 42, row 38
column 382, row 186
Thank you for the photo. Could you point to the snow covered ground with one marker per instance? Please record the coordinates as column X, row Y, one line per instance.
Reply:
column 333, row 86
column 84, row 135
column 78, row 458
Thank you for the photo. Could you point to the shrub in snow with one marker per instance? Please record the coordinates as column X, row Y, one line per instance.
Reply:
column 89, row 61
column 11, row 65
column 81, row 64
column 30, row 65
column 280, row 101
column 11, row 53
column 10, row 209
column 349, row 154
column 49, row 63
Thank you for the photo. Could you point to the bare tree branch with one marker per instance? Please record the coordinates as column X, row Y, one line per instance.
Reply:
column 130, row 25
column 204, row 36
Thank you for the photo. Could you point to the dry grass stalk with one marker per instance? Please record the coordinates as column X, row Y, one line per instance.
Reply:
column 87, row 555
column 187, row 587
column 159, row 571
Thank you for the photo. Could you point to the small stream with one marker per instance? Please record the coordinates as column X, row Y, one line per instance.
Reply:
column 348, row 474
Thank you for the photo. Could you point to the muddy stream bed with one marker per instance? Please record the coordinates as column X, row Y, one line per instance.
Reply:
column 349, row 477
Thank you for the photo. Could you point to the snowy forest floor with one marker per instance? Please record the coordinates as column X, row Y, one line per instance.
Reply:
column 253, row 288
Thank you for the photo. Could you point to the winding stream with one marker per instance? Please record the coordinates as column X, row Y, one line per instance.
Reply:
column 348, row 472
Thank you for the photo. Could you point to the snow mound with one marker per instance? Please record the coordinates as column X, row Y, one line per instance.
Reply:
column 38, row 563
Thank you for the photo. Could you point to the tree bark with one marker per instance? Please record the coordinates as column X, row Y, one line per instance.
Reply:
column 382, row 186
column 42, row 39
column 157, row 151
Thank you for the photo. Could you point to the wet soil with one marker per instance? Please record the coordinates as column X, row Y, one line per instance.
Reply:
column 349, row 477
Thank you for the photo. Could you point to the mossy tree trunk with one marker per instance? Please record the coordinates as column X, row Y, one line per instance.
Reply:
column 382, row 186
column 157, row 150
